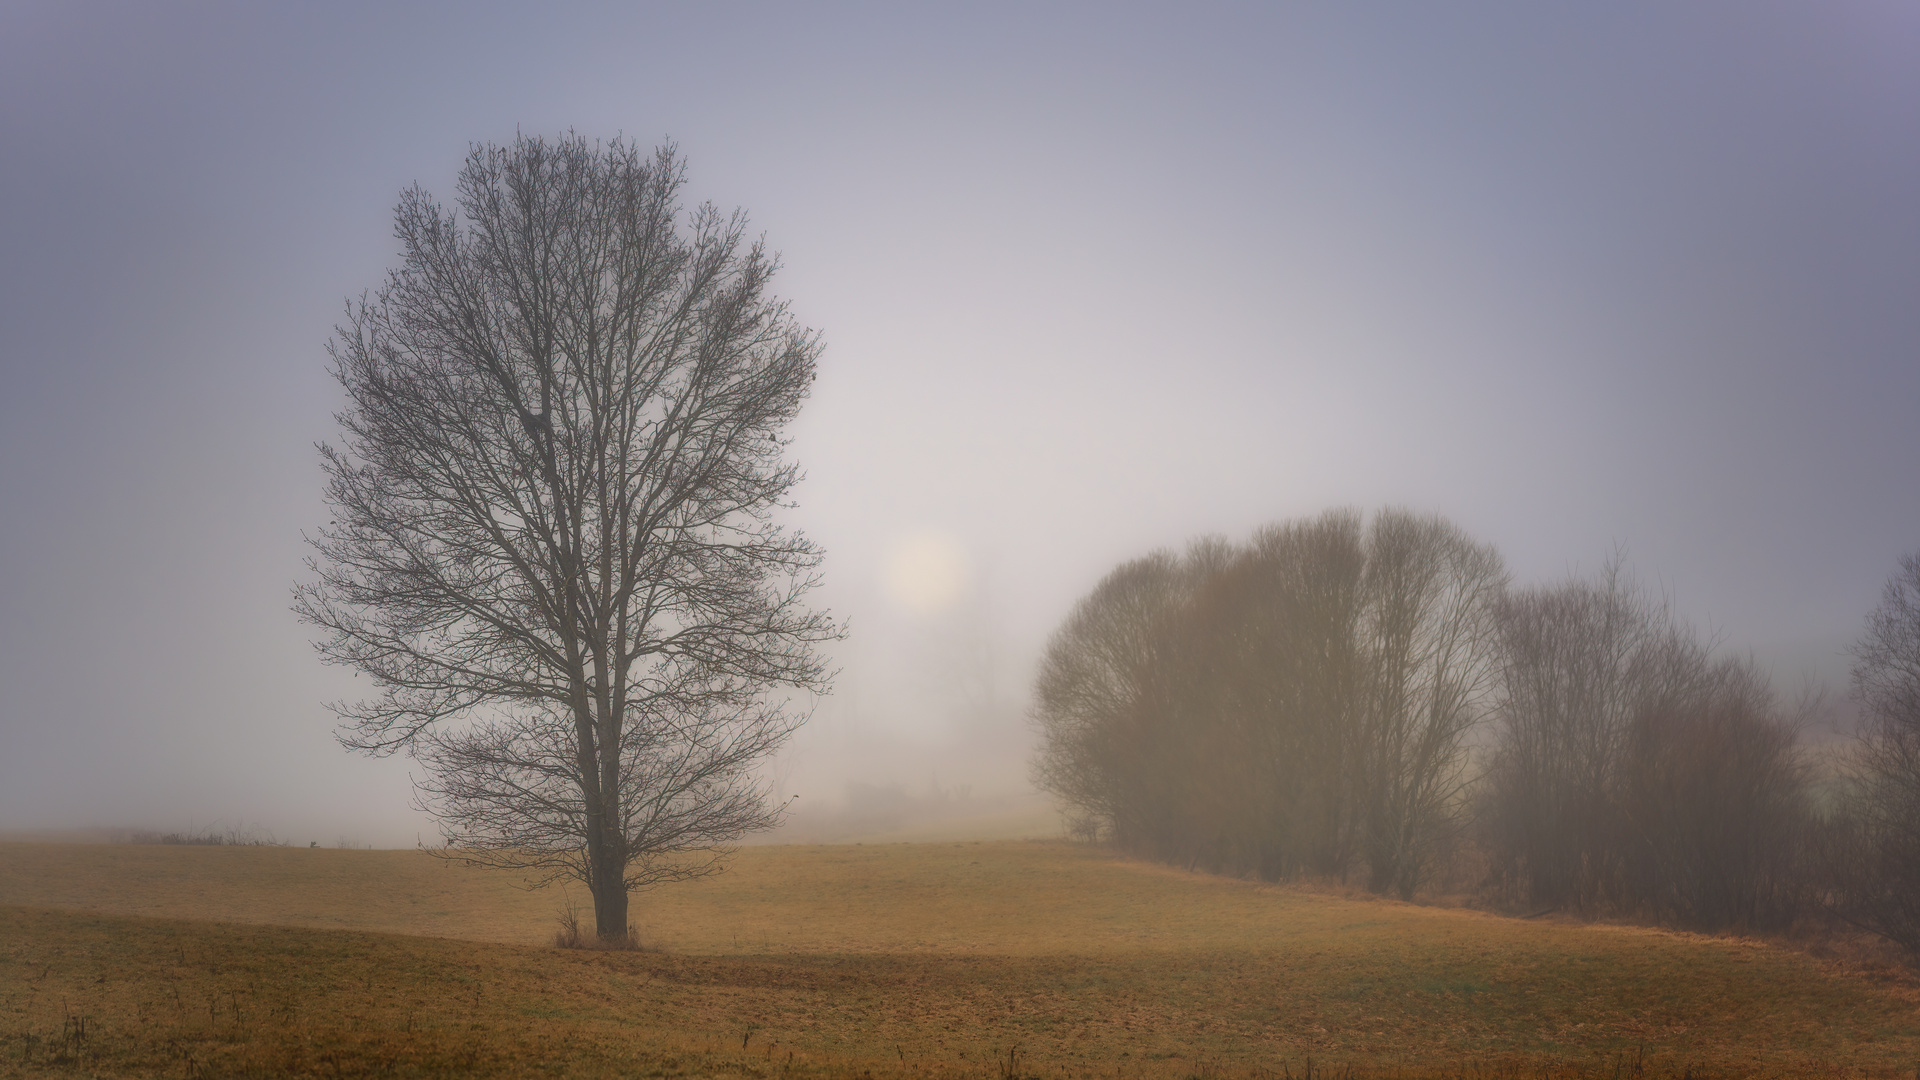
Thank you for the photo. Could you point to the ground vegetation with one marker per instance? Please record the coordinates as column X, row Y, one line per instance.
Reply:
column 968, row 960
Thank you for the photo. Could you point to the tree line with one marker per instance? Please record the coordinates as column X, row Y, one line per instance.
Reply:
column 554, row 555
column 1369, row 699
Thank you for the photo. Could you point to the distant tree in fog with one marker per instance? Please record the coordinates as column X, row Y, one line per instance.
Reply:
column 1428, row 653
column 1296, row 705
column 1576, row 661
column 1632, row 772
column 1263, row 689
column 553, row 549
column 1093, row 678
column 1878, row 858
column 1714, row 807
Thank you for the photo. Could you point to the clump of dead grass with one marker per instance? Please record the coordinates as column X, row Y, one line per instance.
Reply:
column 571, row 935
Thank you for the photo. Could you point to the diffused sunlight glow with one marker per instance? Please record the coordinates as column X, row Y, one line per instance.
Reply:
column 926, row 572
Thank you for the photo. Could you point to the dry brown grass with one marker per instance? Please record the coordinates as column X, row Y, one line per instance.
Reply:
column 976, row 959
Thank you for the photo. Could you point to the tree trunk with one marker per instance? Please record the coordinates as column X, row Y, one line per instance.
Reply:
column 610, row 905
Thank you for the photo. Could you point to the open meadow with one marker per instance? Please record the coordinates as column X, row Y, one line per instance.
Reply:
column 957, row 958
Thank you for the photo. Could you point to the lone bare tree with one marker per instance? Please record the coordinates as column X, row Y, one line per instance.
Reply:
column 553, row 549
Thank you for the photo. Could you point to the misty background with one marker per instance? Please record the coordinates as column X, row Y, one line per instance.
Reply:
column 1093, row 280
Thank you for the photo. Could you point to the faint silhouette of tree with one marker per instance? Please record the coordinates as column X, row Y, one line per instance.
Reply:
column 1093, row 680
column 1876, row 859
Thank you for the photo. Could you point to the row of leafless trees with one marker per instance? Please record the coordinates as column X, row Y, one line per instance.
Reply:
column 1297, row 705
column 1366, row 697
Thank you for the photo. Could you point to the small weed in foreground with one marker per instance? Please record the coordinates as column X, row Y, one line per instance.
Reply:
column 571, row 936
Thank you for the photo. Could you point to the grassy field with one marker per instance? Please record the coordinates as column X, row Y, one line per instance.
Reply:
column 982, row 959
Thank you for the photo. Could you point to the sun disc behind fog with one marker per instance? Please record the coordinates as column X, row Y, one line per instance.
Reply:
column 926, row 572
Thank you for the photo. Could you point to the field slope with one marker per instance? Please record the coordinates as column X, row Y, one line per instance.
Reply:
column 956, row 958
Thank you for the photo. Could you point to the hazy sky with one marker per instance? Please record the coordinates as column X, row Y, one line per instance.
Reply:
column 1093, row 280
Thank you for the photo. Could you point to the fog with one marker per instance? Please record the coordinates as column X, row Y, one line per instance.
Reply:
column 1092, row 281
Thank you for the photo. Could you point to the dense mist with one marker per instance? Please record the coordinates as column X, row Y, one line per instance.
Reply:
column 1092, row 282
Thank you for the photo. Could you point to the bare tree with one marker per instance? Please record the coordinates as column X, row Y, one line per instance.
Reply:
column 1886, row 670
column 1712, row 810
column 553, row 549
column 1352, row 662
column 1428, row 649
column 1576, row 660
column 1269, row 693
column 1093, row 682
column 1296, row 705
column 1634, row 773
column 1878, row 870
